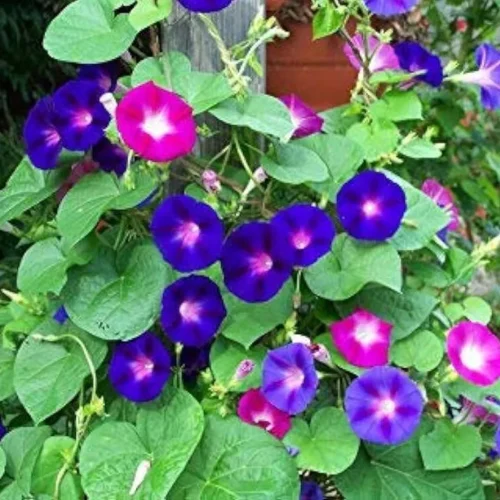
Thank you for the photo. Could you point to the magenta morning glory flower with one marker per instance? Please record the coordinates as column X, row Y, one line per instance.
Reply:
column 192, row 310
column 60, row 316
column 363, row 339
column 111, row 157
column 310, row 491
column 256, row 261
column 188, row 233
column 140, row 368
column 487, row 76
column 381, row 56
column 305, row 120
column 104, row 75
column 289, row 379
column 413, row 57
column 205, row 5
column 309, row 231
column 474, row 352
column 386, row 8
column 255, row 409
column 156, row 123
column 41, row 135
column 384, row 405
column 371, row 206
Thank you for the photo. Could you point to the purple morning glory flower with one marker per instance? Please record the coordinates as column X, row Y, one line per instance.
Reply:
column 41, row 135
column 3, row 430
column 61, row 316
column 111, row 157
column 256, row 261
column 105, row 75
column 310, row 491
column 140, row 368
column 487, row 76
column 305, row 120
column 289, row 379
column 371, row 206
column 81, row 118
column 188, row 233
column 413, row 57
column 192, row 310
column 309, row 231
column 205, row 5
column 384, row 406
column 387, row 8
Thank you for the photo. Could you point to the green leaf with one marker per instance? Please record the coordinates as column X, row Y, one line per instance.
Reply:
column 337, row 358
column 262, row 113
column 397, row 472
column 148, row 12
column 378, row 138
column 423, row 218
column 117, row 297
column 42, row 268
column 406, row 311
column 54, row 455
column 477, row 309
column 225, row 358
column 166, row 436
column 327, row 445
column 22, row 447
column 326, row 21
column 294, row 164
column 390, row 77
column 450, row 446
column 397, row 105
column 87, row 31
column 420, row 148
column 27, row 187
column 351, row 265
column 493, row 161
column 422, row 350
column 338, row 120
column 3, row 462
column 48, row 375
column 237, row 460
column 7, row 358
column 155, row 69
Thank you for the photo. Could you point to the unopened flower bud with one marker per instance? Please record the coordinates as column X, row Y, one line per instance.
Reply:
column 461, row 25
column 211, row 181
column 244, row 369
column 260, row 175
column 320, row 353
column 109, row 102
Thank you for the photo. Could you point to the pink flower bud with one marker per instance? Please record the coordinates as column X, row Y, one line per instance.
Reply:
column 244, row 369
column 109, row 102
column 461, row 25
column 211, row 181
column 320, row 353
column 260, row 175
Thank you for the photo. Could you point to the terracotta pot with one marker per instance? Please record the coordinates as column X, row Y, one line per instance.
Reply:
column 317, row 71
column 274, row 5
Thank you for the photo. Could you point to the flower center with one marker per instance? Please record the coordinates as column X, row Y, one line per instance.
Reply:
column 190, row 311
column 188, row 233
column 370, row 208
column 294, row 377
column 52, row 137
column 83, row 118
column 301, row 240
column 156, row 125
column 264, row 421
column 142, row 367
column 261, row 263
column 472, row 357
column 386, row 407
column 366, row 334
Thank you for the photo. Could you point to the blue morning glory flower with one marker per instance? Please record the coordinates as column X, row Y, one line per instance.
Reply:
column 413, row 57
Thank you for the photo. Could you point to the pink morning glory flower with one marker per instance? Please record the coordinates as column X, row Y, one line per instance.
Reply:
column 255, row 409
column 304, row 118
column 363, row 339
column 443, row 197
column 474, row 352
column 156, row 123
column 381, row 55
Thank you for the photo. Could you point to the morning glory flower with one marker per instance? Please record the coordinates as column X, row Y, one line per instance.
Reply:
column 289, row 379
column 474, row 352
column 140, row 368
column 156, row 123
column 42, row 136
column 472, row 413
column 256, row 261
column 111, row 157
column 105, row 75
column 413, row 57
column 384, row 406
column 188, row 233
column 309, row 490
column 193, row 360
column 363, row 339
column 192, row 310
column 381, row 56
column 305, row 120
column 371, row 206
column 487, row 75
column 309, row 231
column 255, row 409
column 3, row 430
column 205, row 5
column 387, row 8
column 61, row 315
